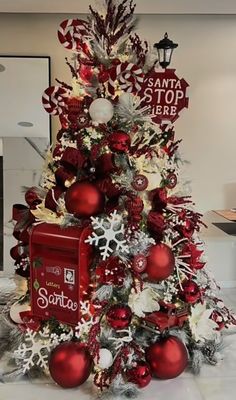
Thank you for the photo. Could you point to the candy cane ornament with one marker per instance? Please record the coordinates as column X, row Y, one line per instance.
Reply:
column 72, row 33
column 54, row 100
column 129, row 76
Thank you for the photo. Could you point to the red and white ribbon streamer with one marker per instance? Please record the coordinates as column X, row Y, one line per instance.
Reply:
column 72, row 33
column 129, row 76
column 54, row 99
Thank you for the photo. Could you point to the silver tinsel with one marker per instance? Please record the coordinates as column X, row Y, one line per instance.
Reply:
column 197, row 360
column 103, row 293
column 119, row 389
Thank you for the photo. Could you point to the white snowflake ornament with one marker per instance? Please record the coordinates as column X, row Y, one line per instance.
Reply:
column 35, row 350
column 108, row 235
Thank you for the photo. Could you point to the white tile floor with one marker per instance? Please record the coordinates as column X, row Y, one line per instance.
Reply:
column 214, row 382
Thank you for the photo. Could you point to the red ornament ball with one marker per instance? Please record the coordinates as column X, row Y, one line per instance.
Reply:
column 84, row 199
column 167, row 358
column 119, row 316
column 70, row 364
column 119, row 141
column 160, row 262
column 140, row 374
column 190, row 292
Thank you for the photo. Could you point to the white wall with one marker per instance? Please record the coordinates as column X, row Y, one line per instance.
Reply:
column 206, row 58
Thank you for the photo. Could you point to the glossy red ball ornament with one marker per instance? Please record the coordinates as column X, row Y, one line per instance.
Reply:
column 119, row 316
column 84, row 199
column 119, row 141
column 167, row 358
column 160, row 262
column 140, row 374
column 190, row 292
column 70, row 364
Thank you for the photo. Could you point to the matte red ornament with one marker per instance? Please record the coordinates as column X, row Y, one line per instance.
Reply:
column 167, row 358
column 160, row 262
column 140, row 182
column 140, row 374
column 190, row 292
column 119, row 141
column 84, row 199
column 119, row 316
column 70, row 364
column 139, row 263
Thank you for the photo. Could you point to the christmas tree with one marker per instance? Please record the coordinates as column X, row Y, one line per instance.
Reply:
column 109, row 243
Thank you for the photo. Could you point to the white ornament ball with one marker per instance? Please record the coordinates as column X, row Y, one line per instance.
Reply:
column 16, row 309
column 105, row 359
column 101, row 110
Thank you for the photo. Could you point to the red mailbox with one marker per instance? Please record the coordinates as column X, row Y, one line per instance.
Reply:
column 60, row 278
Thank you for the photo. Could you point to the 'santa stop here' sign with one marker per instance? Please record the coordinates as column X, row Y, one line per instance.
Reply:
column 165, row 94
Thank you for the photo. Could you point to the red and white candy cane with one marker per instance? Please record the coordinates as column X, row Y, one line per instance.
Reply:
column 54, row 99
column 129, row 76
column 72, row 32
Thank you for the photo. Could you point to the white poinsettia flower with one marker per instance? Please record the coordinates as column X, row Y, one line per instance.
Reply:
column 202, row 327
column 145, row 301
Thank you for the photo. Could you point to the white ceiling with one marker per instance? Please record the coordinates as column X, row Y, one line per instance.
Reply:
column 143, row 6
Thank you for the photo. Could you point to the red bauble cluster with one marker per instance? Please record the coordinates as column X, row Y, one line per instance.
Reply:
column 70, row 364
column 167, row 358
column 140, row 374
column 160, row 262
column 119, row 316
column 84, row 199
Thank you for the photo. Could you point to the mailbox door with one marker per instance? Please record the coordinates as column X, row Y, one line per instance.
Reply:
column 59, row 275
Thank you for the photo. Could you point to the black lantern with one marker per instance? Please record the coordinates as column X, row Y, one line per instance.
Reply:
column 165, row 49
